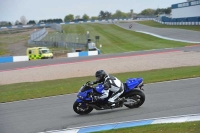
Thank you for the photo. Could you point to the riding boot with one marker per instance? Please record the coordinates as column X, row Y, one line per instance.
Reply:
column 111, row 104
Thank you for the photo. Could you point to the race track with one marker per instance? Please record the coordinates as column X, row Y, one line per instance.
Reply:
column 53, row 113
column 162, row 99
column 62, row 68
column 29, row 64
column 173, row 33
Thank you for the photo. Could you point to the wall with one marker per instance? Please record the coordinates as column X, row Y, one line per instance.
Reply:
column 13, row 59
column 178, row 23
column 185, row 19
column 80, row 54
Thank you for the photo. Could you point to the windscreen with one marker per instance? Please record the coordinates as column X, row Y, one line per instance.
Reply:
column 85, row 88
column 45, row 51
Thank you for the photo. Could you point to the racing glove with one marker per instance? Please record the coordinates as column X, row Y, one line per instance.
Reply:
column 94, row 82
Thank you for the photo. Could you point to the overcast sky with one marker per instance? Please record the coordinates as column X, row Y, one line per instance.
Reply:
column 12, row 10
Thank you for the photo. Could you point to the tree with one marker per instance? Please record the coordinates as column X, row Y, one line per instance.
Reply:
column 94, row 18
column 105, row 15
column 9, row 23
column 119, row 14
column 108, row 15
column 16, row 22
column 102, row 15
column 31, row 22
column 5, row 23
column 69, row 17
column 23, row 20
column 57, row 20
column 148, row 12
column 48, row 21
column 60, row 20
column 85, row 17
column 77, row 17
column 162, row 11
column 168, row 10
column 13, row 23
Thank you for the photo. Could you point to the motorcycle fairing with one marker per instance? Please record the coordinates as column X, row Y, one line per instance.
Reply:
column 132, row 83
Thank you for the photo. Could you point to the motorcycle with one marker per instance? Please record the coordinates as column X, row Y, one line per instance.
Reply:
column 132, row 97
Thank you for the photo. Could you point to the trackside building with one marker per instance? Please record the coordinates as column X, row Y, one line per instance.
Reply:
column 186, row 12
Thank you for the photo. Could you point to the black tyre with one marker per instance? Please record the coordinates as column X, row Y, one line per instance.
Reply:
column 82, row 108
column 136, row 95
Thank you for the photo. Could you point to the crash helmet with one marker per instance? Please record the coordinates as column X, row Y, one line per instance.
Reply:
column 100, row 75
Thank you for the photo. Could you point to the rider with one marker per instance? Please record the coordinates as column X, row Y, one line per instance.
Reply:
column 110, row 83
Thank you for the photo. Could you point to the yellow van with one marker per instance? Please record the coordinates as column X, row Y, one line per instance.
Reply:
column 39, row 53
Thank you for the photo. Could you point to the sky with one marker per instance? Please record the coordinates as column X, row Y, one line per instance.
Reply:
column 12, row 10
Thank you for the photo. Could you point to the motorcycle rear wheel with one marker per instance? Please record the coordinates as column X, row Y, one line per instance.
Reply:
column 137, row 96
column 81, row 108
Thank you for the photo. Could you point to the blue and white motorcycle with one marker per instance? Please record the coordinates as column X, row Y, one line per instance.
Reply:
column 132, row 97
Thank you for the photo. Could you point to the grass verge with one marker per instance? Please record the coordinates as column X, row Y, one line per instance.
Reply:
column 186, row 127
column 158, row 25
column 5, row 40
column 115, row 39
column 2, row 48
column 22, row 91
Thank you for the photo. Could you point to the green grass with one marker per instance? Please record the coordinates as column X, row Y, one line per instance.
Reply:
column 2, row 48
column 186, row 127
column 5, row 40
column 116, row 40
column 158, row 25
column 13, row 31
column 21, row 91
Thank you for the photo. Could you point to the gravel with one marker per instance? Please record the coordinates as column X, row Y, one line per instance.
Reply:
column 115, row 65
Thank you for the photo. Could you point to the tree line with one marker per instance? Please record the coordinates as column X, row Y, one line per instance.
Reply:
column 101, row 16
column 158, row 11
column 118, row 14
column 49, row 21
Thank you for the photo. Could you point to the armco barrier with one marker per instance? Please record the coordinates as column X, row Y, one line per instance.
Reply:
column 80, row 54
column 6, row 59
column 20, row 58
column 178, row 23
column 13, row 59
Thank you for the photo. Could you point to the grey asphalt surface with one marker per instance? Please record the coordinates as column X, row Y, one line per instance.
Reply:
column 173, row 33
column 164, row 99
column 25, row 64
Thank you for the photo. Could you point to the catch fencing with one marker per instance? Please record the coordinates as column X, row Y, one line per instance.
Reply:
column 56, row 27
column 58, row 39
column 63, row 37
column 62, row 40
column 64, row 45
column 37, row 35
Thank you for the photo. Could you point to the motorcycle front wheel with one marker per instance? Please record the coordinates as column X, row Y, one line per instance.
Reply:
column 82, row 108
